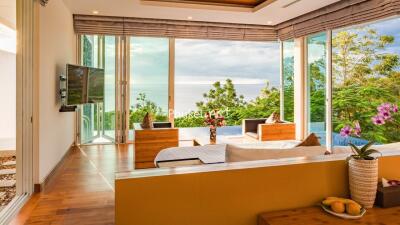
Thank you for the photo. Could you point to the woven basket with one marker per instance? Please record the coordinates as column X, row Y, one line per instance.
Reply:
column 363, row 179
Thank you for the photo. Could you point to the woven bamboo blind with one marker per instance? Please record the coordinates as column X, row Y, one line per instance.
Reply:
column 337, row 15
column 85, row 24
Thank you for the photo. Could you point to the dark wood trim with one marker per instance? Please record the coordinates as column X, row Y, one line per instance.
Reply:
column 37, row 188
column 40, row 187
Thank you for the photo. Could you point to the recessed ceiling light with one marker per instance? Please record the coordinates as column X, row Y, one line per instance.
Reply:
column 189, row 18
column 95, row 12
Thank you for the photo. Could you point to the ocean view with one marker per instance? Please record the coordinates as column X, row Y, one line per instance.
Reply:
column 186, row 95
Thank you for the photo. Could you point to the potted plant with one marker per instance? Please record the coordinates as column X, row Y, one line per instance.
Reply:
column 214, row 120
column 363, row 174
column 363, row 166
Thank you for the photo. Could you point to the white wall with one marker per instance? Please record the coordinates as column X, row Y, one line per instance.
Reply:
column 57, row 47
column 7, row 95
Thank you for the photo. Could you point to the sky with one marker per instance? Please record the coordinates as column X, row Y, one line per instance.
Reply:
column 206, row 61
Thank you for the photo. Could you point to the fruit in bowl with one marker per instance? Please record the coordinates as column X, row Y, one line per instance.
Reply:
column 342, row 207
column 338, row 207
column 353, row 209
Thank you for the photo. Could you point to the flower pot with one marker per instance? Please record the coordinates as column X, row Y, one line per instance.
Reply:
column 213, row 135
column 363, row 179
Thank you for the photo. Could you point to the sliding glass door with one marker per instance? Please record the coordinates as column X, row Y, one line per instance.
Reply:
column 366, row 84
column 288, row 80
column 316, row 85
column 148, row 80
column 97, row 120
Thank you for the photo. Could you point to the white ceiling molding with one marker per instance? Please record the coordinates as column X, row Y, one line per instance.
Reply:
column 272, row 14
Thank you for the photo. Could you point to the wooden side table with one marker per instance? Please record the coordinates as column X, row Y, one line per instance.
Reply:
column 276, row 131
column 316, row 216
column 149, row 142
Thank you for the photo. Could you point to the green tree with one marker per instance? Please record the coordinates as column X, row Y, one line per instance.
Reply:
column 224, row 99
column 234, row 109
column 263, row 106
column 317, row 90
column 359, row 55
column 365, row 76
column 144, row 106
column 193, row 119
column 288, row 89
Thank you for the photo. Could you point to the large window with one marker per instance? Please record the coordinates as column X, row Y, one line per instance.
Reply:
column 288, row 76
column 149, row 78
column 316, row 84
column 366, row 83
column 240, row 79
column 98, row 119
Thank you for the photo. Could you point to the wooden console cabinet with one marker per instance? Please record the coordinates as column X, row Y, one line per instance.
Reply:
column 149, row 142
column 277, row 131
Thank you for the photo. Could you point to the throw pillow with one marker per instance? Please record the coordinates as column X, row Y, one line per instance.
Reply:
column 311, row 140
column 273, row 118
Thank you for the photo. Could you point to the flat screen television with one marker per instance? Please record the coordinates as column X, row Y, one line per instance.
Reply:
column 95, row 85
column 84, row 85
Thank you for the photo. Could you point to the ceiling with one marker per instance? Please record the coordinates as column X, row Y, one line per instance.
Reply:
column 247, row 4
column 8, row 13
column 272, row 14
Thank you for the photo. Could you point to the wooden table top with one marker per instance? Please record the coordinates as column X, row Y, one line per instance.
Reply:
column 316, row 216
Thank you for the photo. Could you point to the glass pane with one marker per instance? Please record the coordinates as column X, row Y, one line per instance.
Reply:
column 98, row 120
column 149, row 75
column 88, row 123
column 90, row 50
column 109, row 87
column 239, row 78
column 88, row 129
column 366, row 84
column 288, row 76
column 316, row 55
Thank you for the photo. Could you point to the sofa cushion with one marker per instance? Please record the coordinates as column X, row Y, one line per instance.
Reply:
column 239, row 154
column 311, row 140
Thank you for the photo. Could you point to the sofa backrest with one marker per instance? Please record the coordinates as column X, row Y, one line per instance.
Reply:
column 238, row 154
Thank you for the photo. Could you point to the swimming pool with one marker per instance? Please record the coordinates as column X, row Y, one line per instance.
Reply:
column 192, row 132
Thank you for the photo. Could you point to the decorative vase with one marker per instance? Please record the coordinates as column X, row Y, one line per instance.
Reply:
column 363, row 179
column 213, row 135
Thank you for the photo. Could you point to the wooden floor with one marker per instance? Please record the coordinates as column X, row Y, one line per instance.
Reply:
column 82, row 189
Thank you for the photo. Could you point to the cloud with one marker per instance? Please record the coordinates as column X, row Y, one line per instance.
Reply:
column 200, row 59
